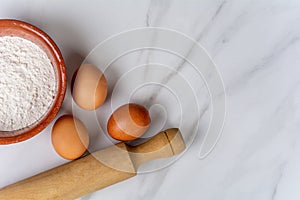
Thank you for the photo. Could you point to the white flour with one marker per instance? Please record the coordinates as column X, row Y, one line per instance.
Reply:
column 27, row 83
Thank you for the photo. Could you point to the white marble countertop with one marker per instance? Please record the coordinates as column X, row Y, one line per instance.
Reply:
column 254, row 44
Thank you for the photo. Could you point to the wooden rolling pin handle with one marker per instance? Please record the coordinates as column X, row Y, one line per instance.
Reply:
column 163, row 145
column 95, row 171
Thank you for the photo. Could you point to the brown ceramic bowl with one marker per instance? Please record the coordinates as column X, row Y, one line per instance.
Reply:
column 35, row 35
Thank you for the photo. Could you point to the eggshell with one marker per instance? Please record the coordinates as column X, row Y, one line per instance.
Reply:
column 128, row 122
column 70, row 138
column 89, row 87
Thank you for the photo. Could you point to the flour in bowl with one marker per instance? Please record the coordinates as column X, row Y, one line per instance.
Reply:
column 27, row 83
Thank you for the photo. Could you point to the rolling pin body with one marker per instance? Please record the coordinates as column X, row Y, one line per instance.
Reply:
column 95, row 171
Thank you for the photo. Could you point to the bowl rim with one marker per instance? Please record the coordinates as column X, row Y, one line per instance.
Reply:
column 61, row 81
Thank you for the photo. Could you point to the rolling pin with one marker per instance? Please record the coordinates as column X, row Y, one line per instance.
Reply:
column 95, row 171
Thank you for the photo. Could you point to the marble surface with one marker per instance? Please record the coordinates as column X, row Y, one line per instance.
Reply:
column 255, row 46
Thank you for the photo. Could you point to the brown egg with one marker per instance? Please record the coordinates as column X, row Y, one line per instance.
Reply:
column 70, row 138
column 128, row 122
column 89, row 87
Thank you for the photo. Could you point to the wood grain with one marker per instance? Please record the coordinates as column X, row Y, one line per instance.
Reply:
column 95, row 171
